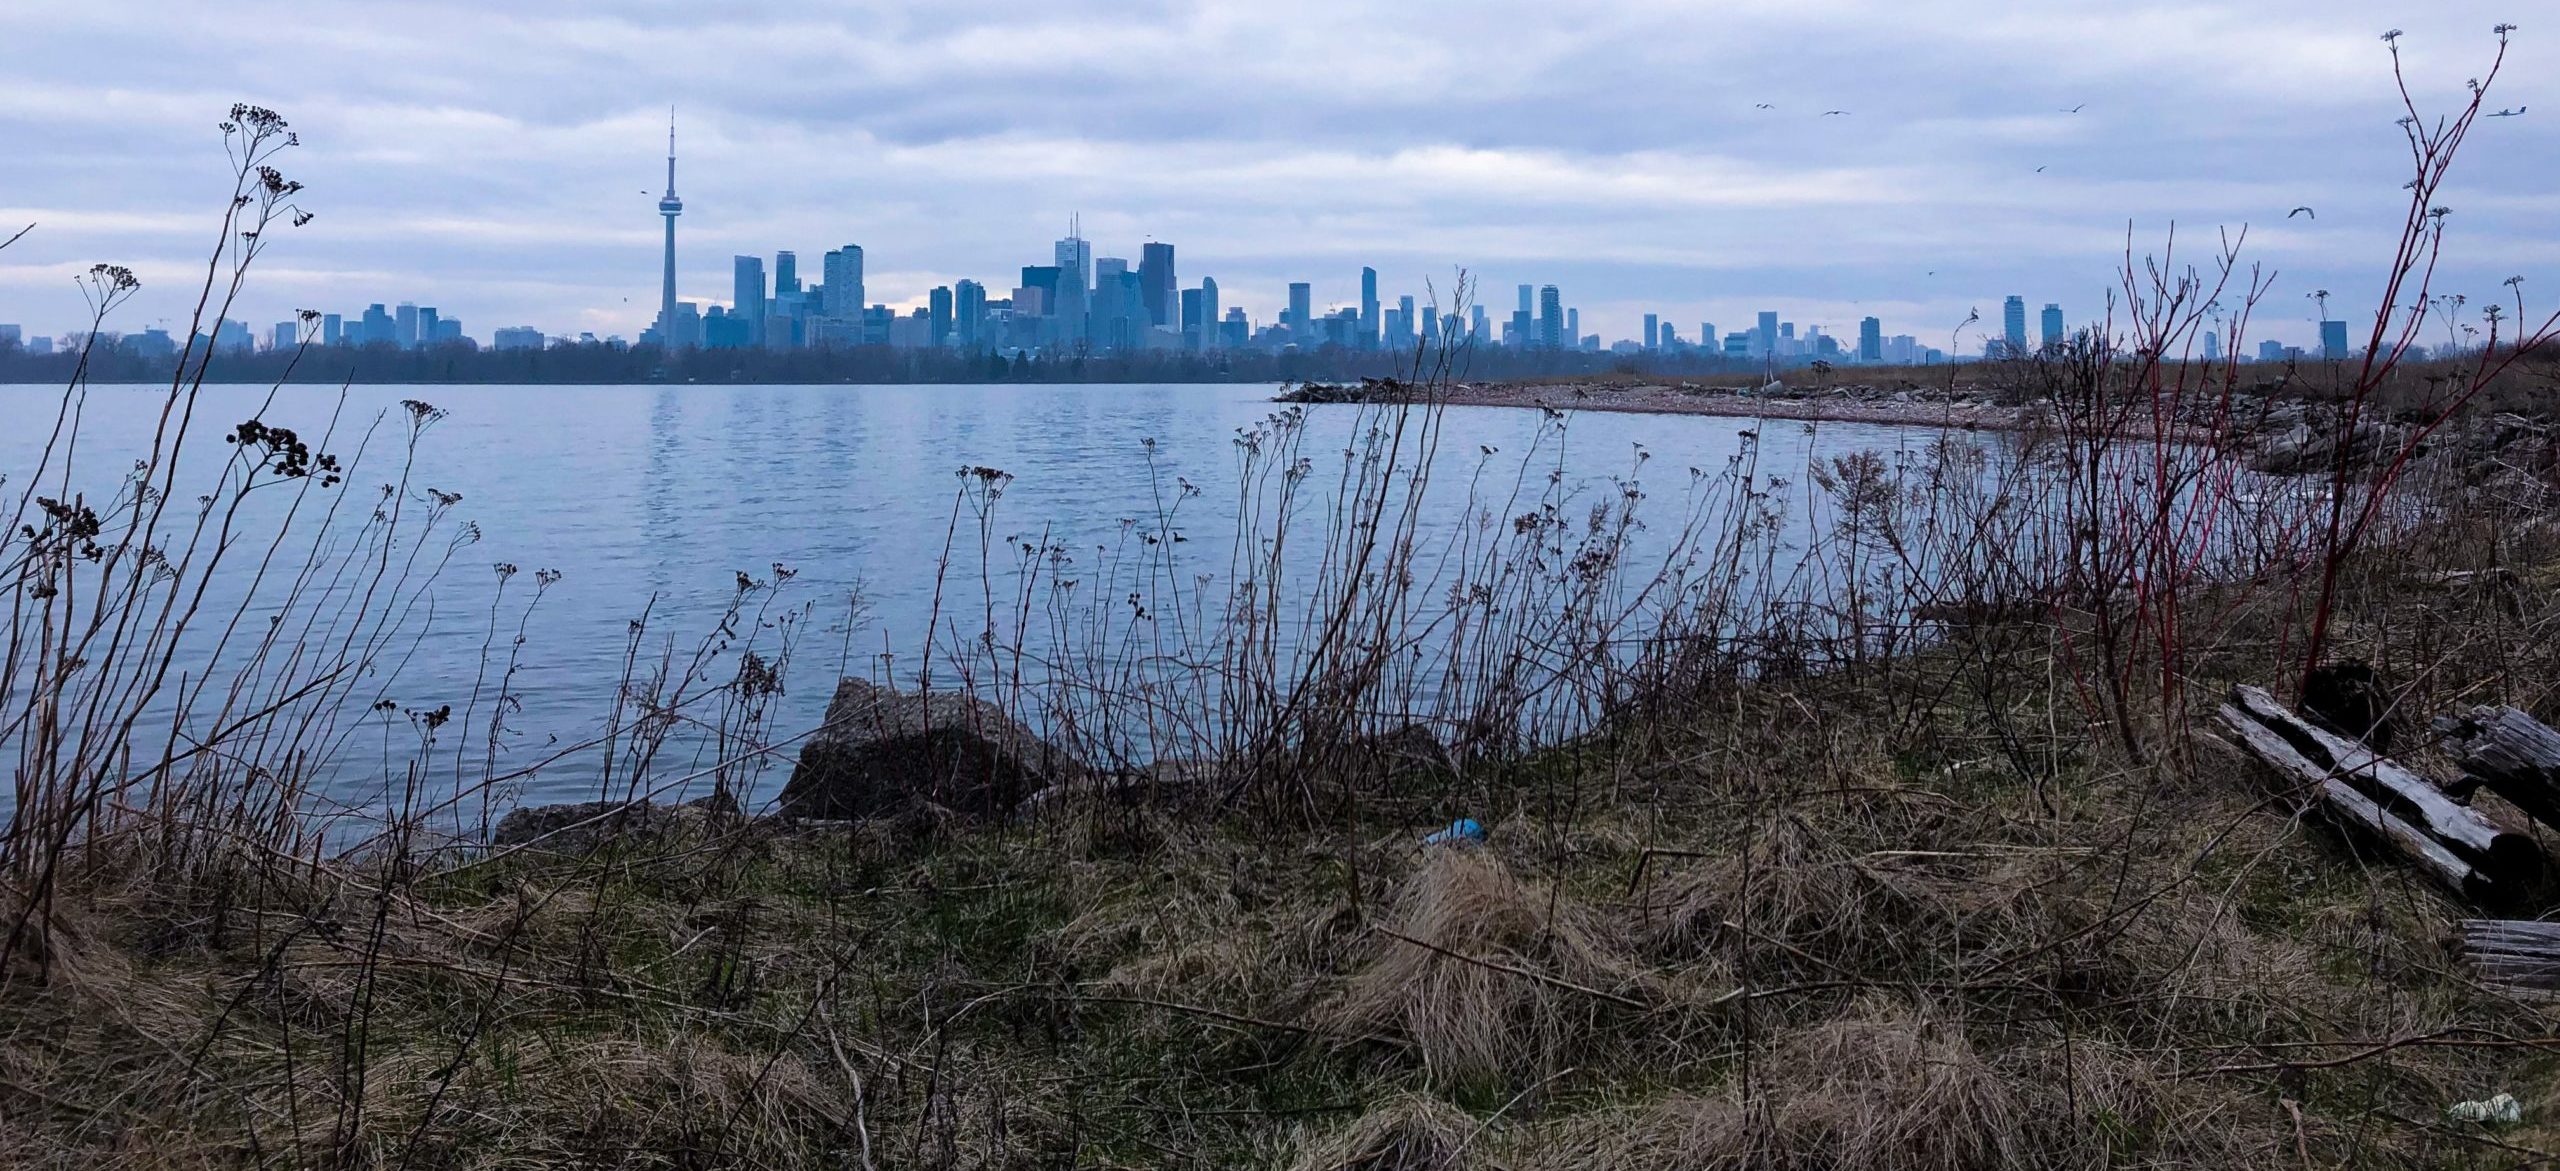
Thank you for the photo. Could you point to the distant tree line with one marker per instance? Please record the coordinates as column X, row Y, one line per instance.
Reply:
column 118, row 361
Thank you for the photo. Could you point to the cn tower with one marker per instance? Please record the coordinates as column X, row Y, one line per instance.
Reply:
column 670, row 207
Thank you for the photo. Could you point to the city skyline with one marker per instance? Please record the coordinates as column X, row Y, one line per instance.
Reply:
column 1525, row 144
column 1082, row 303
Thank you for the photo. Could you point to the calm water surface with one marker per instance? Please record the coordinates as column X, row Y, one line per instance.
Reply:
column 656, row 497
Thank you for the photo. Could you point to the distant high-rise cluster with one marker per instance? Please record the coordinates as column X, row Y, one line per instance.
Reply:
column 1080, row 303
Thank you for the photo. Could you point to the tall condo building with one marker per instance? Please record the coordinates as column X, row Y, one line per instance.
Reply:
column 842, row 272
column 747, row 296
column 1871, row 340
column 1302, row 313
column 969, row 305
column 2052, row 323
column 1211, row 336
column 1368, row 308
column 786, row 274
column 1551, row 328
column 1764, row 339
column 2013, row 324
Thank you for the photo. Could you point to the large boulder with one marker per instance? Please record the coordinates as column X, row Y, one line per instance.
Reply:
column 885, row 751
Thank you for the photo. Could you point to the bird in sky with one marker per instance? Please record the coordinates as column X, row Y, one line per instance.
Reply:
column 2508, row 113
column 2302, row 211
column 2076, row 109
column 1829, row 113
column 2040, row 170
column 1763, row 106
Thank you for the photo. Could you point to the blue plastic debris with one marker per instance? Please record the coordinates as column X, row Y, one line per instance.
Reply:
column 1464, row 829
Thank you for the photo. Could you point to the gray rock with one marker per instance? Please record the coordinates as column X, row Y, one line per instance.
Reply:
column 885, row 751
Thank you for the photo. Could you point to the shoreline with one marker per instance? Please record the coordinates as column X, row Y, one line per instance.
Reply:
column 1831, row 406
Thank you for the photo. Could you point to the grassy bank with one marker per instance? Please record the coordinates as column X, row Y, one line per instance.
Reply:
column 1821, row 922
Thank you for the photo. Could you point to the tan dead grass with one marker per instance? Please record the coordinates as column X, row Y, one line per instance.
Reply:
column 1409, row 1132
column 1491, row 977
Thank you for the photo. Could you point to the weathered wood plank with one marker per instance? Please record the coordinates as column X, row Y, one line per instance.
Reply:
column 2519, row 953
column 2501, row 854
column 2351, row 808
column 2515, row 755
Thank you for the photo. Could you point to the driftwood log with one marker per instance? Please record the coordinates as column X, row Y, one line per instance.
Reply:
column 2450, row 841
column 2515, row 755
column 2519, row 953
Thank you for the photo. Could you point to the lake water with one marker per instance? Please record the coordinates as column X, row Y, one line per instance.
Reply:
column 655, row 498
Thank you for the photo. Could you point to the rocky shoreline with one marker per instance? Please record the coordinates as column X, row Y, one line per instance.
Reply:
column 1967, row 408
column 2282, row 434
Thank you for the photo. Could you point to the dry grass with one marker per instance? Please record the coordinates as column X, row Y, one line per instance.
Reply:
column 1490, row 977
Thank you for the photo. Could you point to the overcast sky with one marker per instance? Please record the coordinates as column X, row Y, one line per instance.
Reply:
column 502, row 160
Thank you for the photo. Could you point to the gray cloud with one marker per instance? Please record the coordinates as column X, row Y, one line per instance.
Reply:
column 501, row 160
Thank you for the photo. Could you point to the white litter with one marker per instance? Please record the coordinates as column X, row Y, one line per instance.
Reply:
column 2501, row 1109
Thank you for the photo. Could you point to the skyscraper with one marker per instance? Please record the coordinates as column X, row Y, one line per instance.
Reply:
column 426, row 326
column 747, row 296
column 2212, row 346
column 1764, row 340
column 1301, row 323
column 786, row 273
column 1075, row 281
column 842, row 271
column 1653, row 331
column 1550, row 317
column 2333, row 340
column 1194, row 327
column 670, row 207
column 2052, row 322
column 938, row 317
column 1368, row 308
column 332, row 329
column 404, row 326
column 1209, row 315
column 1156, row 285
column 969, row 306
column 1112, row 309
column 2013, row 325
column 1870, row 340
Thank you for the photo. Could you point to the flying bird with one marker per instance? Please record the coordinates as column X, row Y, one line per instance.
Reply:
column 2040, row 170
column 2508, row 113
column 2302, row 211
column 2076, row 109
column 1763, row 106
column 1829, row 113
